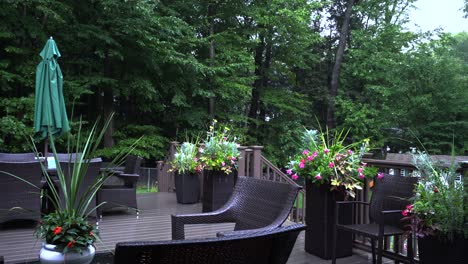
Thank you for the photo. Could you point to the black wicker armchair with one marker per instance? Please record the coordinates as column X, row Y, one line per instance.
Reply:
column 120, row 189
column 18, row 199
column 390, row 195
column 264, row 247
column 254, row 204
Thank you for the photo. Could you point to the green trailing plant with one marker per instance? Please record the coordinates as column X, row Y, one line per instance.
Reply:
column 438, row 208
column 220, row 150
column 326, row 159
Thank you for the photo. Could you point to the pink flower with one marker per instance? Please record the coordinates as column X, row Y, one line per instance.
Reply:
column 331, row 165
column 380, row 175
column 409, row 207
column 233, row 158
column 195, row 159
column 405, row 212
column 301, row 165
column 318, row 177
column 364, row 164
column 223, row 163
column 359, row 170
column 294, row 177
column 350, row 152
column 361, row 175
column 200, row 150
column 305, row 152
column 289, row 171
column 233, row 162
column 314, row 154
column 310, row 158
column 326, row 151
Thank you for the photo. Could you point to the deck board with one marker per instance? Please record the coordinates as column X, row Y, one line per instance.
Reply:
column 18, row 245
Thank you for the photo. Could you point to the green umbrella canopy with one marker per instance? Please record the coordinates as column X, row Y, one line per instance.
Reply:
column 50, row 113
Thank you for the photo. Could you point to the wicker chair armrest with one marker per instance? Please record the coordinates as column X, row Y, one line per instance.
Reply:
column 129, row 179
column 245, row 232
column 179, row 221
column 387, row 212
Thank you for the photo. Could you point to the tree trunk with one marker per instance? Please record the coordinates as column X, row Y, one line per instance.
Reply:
column 257, row 85
column 337, row 67
column 108, row 106
column 211, row 107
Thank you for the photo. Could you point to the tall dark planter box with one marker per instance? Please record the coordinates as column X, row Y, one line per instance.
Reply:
column 320, row 215
column 217, row 188
column 432, row 250
column 187, row 188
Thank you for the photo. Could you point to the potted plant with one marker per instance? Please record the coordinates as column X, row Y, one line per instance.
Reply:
column 332, row 172
column 67, row 235
column 438, row 214
column 218, row 156
column 187, row 168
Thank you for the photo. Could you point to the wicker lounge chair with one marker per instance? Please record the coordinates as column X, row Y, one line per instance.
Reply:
column 271, row 246
column 254, row 204
column 390, row 195
column 19, row 200
column 120, row 189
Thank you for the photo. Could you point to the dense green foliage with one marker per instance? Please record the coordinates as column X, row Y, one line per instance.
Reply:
column 167, row 67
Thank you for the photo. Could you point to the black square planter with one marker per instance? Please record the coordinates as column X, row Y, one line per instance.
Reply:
column 320, row 215
column 187, row 188
column 217, row 188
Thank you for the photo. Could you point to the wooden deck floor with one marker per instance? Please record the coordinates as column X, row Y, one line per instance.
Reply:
column 18, row 245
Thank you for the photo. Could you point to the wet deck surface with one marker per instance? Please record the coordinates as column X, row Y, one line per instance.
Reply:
column 18, row 245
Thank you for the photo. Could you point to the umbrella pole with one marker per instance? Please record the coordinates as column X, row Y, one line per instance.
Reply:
column 46, row 150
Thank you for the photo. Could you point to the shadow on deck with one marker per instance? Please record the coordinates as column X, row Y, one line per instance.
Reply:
column 18, row 245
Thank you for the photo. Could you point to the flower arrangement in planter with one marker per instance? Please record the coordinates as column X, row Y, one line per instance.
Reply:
column 327, row 160
column 187, row 166
column 332, row 171
column 438, row 215
column 186, row 159
column 219, row 152
column 218, row 156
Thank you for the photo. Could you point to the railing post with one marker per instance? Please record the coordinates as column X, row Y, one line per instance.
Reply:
column 257, row 161
column 241, row 162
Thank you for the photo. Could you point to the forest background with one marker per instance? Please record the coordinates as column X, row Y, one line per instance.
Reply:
column 266, row 68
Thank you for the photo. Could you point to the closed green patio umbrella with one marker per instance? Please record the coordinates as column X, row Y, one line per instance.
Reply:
column 50, row 115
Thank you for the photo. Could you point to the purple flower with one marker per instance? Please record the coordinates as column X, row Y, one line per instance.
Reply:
column 314, row 154
column 289, row 171
column 223, row 163
column 380, row 175
column 350, row 152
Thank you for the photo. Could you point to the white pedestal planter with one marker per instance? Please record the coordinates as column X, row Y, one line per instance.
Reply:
column 49, row 255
